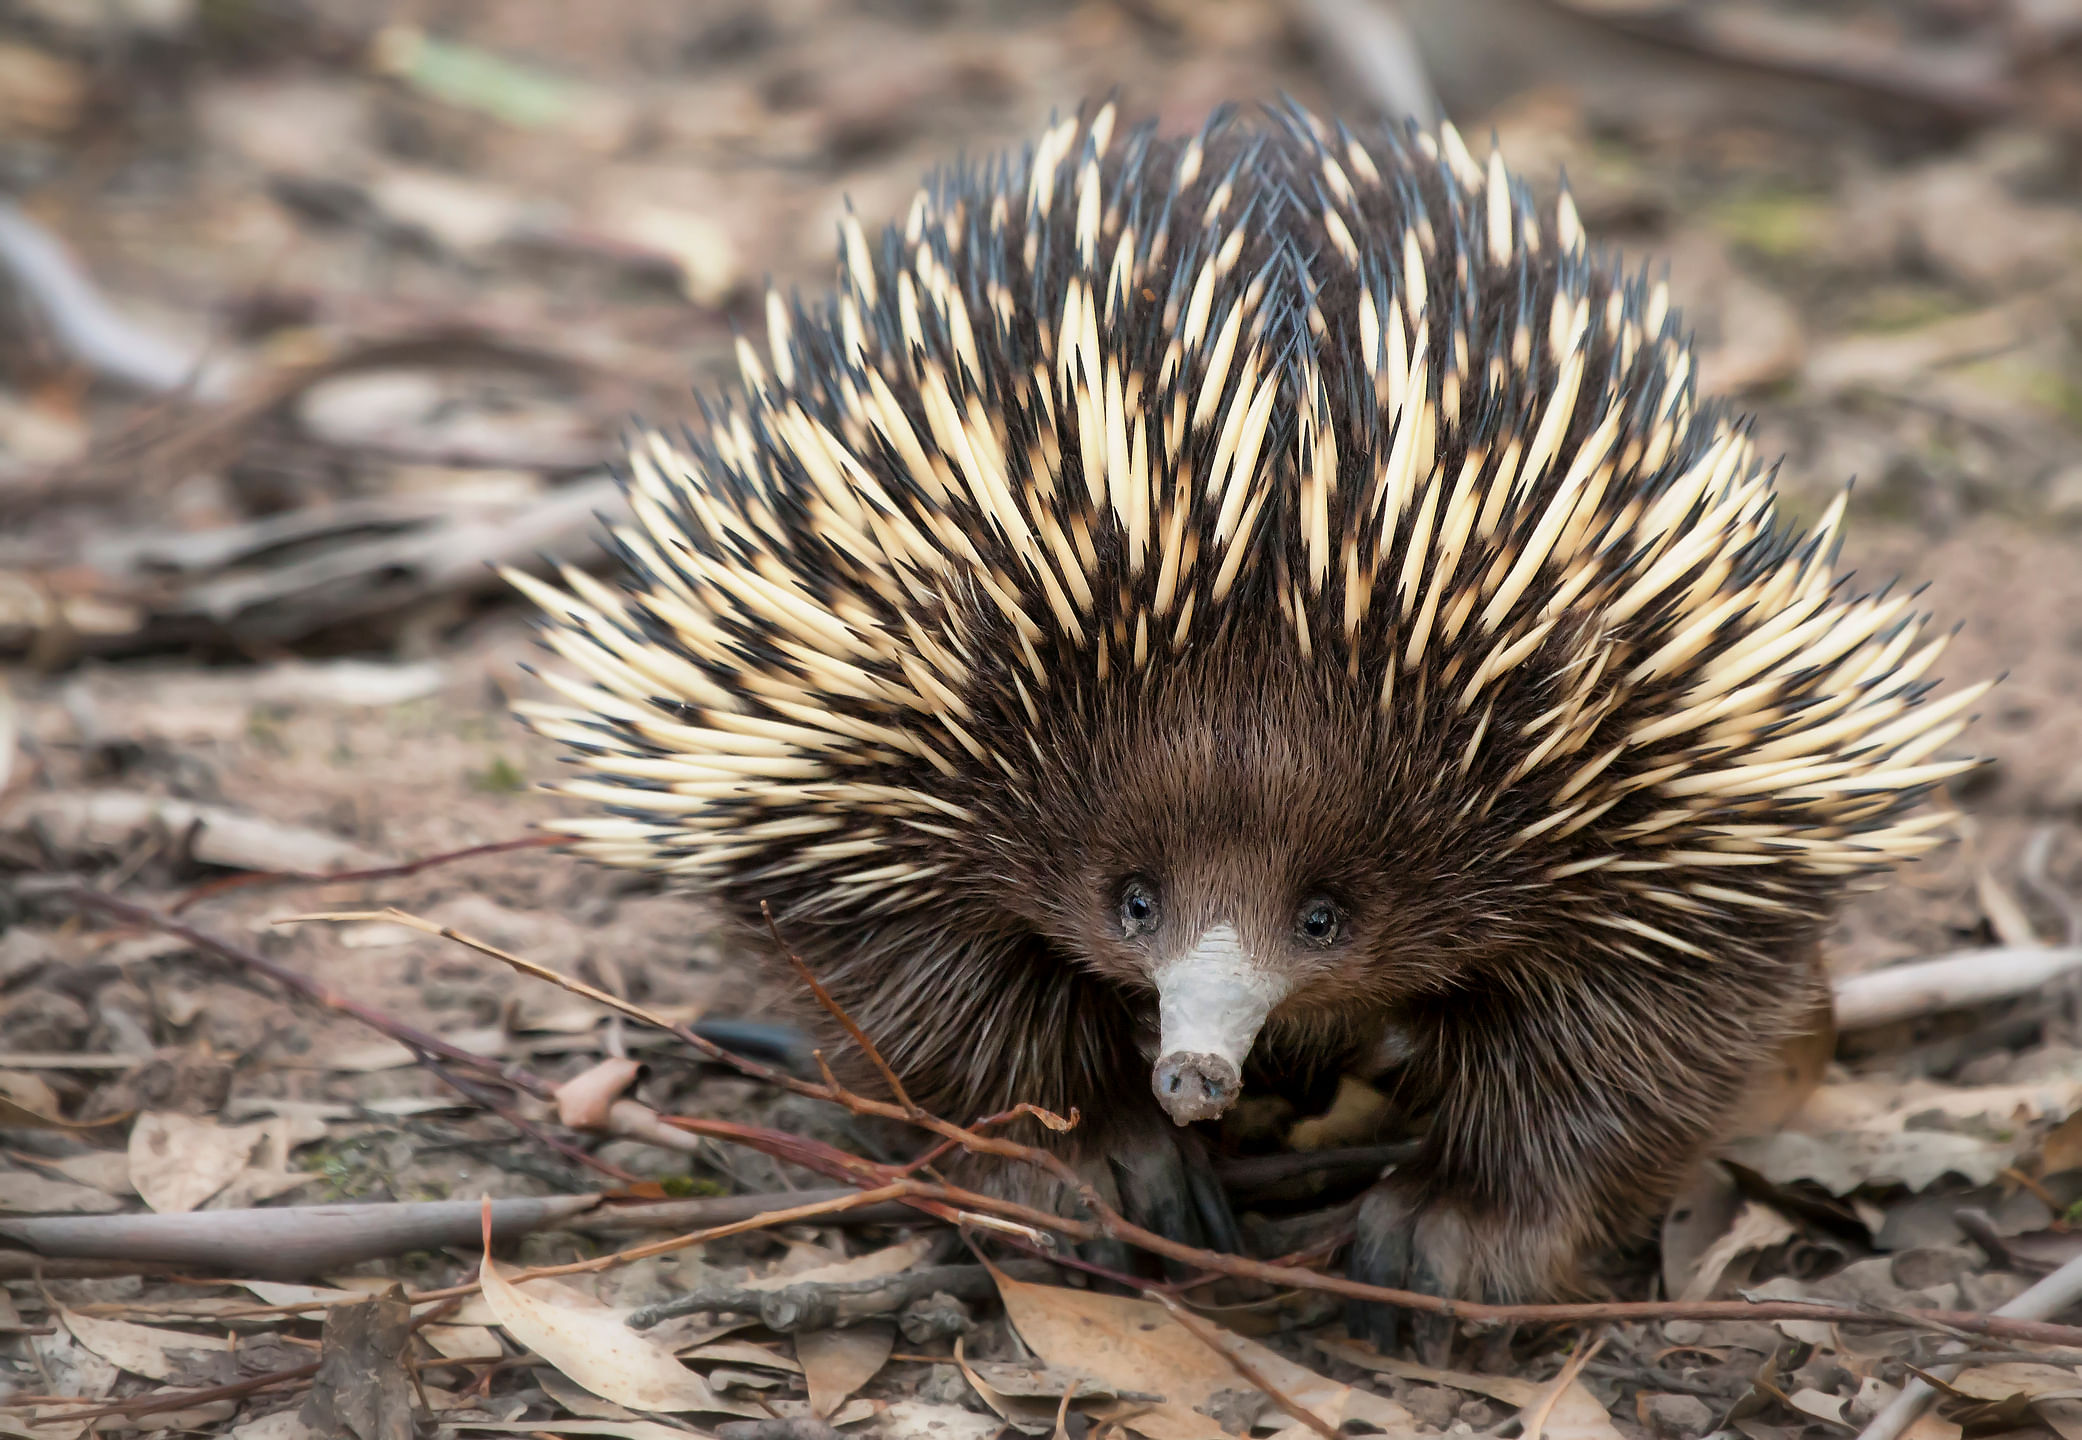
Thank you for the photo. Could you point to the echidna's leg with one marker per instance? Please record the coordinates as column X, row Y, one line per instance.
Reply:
column 1568, row 1105
column 1167, row 1184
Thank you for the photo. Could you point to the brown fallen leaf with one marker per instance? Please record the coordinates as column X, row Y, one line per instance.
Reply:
column 141, row 1349
column 362, row 1389
column 180, row 1161
column 590, row 1344
column 1137, row 1345
column 1574, row 1415
column 463, row 1342
column 23, row 1192
column 835, row 1363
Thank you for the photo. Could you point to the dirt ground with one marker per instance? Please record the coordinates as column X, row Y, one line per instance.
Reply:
column 359, row 298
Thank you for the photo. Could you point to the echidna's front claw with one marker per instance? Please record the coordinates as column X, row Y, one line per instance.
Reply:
column 1403, row 1245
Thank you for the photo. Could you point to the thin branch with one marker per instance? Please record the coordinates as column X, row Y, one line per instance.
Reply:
column 959, row 1206
column 408, row 1035
column 382, row 872
column 838, row 1013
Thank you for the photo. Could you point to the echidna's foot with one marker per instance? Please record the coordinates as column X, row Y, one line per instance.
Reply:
column 1436, row 1247
column 1167, row 1184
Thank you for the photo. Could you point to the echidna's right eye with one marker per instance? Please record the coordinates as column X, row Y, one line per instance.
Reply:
column 1140, row 913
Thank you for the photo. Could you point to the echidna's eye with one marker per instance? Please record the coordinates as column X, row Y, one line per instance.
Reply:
column 1140, row 912
column 1318, row 921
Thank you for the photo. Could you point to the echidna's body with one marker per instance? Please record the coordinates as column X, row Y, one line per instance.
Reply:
column 1277, row 574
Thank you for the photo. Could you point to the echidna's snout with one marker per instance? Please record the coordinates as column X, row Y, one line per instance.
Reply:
column 1211, row 1002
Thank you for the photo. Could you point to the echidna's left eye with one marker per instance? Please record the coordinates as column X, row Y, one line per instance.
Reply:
column 1140, row 911
column 1318, row 921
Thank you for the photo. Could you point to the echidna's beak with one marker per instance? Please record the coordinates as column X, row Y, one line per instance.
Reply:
column 1211, row 1002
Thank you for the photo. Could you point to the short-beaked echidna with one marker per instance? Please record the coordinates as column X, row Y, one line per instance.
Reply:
column 1213, row 603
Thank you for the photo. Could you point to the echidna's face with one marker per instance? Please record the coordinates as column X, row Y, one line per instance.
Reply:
column 1230, row 849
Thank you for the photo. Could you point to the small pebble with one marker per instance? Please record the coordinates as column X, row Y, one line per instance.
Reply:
column 1676, row 1417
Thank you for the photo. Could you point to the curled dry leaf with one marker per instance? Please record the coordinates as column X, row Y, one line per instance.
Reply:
column 1137, row 1345
column 28, row 1103
column 584, row 1100
column 1756, row 1227
column 594, row 1348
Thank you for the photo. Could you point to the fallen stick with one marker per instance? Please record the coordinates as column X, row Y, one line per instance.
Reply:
column 960, row 1206
column 2057, row 1292
column 292, row 1242
column 1949, row 982
column 288, row 1242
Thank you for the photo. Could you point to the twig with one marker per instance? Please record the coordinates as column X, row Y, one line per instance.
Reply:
column 1372, row 43
column 2038, row 852
column 408, row 1035
column 1536, row 1422
column 1949, row 982
column 678, row 1242
column 1216, row 1339
column 90, row 331
column 960, row 1206
column 285, row 1241
column 150, row 1405
column 2050, row 1296
column 382, row 872
column 838, row 1013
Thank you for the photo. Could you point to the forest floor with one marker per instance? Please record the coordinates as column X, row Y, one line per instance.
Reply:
column 368, row 293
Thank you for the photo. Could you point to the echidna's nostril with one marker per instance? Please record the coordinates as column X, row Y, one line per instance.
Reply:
column 1193, row 1086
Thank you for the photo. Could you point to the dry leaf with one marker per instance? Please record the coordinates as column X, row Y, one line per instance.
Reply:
column 835, row 1363
column 1756, row 1227
column 71, row 1368
column 1810, row 1401
column 23, row 1193
column 282, row 1425
column 1137, row 1345
column 876, row 1264
column 916, row 1420
column 140, row 1349
column 635, row 1429
column 179, row 1161
column 107, row 1170
column 374, row 1055
column 1575, row 1415
column 463, row 1342
column 594, row 1348
column 28, row 1103
column 2034, row 1382
column 741, row 1352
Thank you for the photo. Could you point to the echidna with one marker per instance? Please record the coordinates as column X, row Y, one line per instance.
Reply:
column 1200, row 608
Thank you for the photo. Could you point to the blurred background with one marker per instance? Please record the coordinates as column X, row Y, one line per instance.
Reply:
column 312, row 309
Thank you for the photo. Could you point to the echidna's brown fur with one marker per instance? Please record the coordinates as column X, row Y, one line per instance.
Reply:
column 1272, row 513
